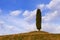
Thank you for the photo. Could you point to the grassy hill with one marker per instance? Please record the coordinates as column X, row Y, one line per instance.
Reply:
column 35, row 35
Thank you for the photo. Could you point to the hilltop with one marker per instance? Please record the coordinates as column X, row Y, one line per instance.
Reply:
column 35, row 35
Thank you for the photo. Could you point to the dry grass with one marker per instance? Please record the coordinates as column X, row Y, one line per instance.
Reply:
column 40, row 35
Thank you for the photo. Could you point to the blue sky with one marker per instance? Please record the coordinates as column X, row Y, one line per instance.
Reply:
column 18, row 16
column 21, row 4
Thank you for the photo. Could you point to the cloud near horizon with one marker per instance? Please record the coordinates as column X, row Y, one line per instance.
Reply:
column 52, row 17
column 11, row 24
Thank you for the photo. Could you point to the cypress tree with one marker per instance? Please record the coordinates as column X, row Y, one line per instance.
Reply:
column 38, row 19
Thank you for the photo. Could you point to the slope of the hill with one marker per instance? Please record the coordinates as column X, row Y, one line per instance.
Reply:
column 35, row 35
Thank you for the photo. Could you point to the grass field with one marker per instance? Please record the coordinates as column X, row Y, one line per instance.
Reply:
column 35, row 35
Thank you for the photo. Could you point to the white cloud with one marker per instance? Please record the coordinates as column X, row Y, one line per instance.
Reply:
column 14, row 25
column 1, row 26
column 15, row 13
column 26, row 13
column 55, row 4
column 31, row 16
column 54, row 12
column 51, row 28
column 41, row 6
column 51, row 20
column 50, row 16
column 1, row 22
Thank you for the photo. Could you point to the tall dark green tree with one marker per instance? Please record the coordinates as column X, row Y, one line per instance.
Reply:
column 38, row 19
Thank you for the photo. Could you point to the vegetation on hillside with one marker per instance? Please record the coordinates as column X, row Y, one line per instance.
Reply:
column 37, row 35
